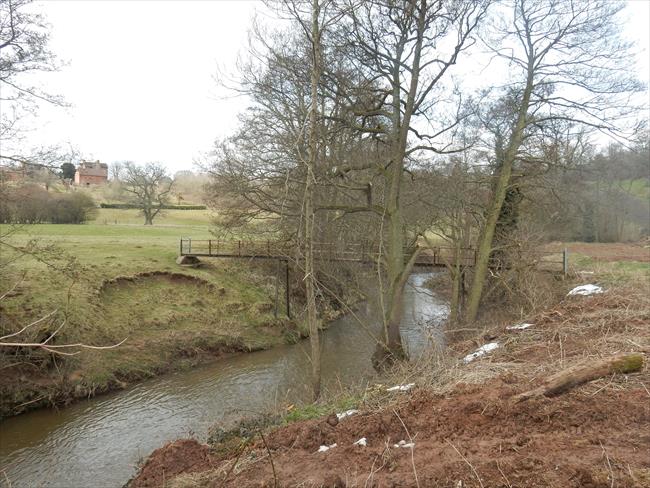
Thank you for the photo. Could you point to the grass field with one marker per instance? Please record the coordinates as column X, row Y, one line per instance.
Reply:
column 169, row 323
column 640, row 187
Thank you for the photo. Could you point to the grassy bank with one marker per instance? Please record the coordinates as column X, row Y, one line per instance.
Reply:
column 115, row 282
column 463, row 419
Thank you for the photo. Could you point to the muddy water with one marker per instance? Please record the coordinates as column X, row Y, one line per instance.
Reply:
column 97, row 443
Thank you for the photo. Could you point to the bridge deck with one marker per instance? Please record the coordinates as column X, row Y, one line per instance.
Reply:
column 358, row 253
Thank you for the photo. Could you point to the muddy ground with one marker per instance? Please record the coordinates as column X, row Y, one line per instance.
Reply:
column 601, row 251
column 472, row 438
column 466, row 429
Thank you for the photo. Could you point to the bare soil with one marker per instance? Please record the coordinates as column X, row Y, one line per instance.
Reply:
column 467, row 430
column 615, row 251
column 475, row 436
column 176, row 457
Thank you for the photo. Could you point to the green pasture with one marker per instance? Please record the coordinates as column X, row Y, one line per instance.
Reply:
column 72, row 269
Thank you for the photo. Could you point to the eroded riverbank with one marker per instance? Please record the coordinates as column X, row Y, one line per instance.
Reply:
column 99, row 442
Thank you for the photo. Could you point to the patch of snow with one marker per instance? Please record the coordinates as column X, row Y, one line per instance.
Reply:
column 347, row 413
column 401, row 387
column 519, row 326
column 361, row 442
column 586, row 290
column 484, row 349
column 405, row 444
column 326, row 448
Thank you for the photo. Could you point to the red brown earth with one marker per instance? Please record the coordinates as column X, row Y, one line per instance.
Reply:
column 615, row 251
column 184, row 455
column 474, row 434
column 468, row 432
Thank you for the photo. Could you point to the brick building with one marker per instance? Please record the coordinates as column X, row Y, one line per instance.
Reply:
column 91, row 173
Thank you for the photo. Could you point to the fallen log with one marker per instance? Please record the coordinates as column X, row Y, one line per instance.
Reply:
column 584, row 372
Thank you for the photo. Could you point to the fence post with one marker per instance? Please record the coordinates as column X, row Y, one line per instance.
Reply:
column 190, row 245
column 287, row 289
column 565, row 262
column 277, row 288
column 181, row 247
column 239, row 248
column 209, row 247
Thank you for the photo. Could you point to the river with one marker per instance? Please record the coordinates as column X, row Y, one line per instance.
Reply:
column 98, row 442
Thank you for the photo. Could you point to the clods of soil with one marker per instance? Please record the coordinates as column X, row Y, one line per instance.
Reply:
column 474, row 437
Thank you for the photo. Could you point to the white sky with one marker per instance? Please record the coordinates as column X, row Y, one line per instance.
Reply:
column 140, row 75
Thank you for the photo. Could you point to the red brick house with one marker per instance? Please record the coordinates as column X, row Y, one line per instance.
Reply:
column 91, row 173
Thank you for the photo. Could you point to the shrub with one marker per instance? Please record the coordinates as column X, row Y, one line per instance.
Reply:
column 31, row 204
column 72, row 208
column 124, row 206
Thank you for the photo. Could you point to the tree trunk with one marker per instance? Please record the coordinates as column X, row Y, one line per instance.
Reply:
column 391, row 349
column 457, row 276
column 397, row 269
column 499, row 194
column 310, row 285
column 584, row 372
column 485, row 243
column 506, row 226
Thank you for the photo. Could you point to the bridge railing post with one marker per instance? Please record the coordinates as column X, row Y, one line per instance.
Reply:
column 287, row 290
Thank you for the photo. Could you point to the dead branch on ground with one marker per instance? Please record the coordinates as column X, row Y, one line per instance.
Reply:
column 59, row 349
column 582, row 373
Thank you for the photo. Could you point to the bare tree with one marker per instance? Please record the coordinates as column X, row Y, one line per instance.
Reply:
column 24, row 49
column 150, row 187
column 568, row 62
column 401, row 103
column 383, row 103
column 309, row 212
column 116, row 170
column 452, row 204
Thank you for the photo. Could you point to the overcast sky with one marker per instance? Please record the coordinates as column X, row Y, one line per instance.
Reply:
column 140, row 75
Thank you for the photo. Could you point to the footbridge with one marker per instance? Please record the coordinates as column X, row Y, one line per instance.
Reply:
column 353, row 253
column 364, row 252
